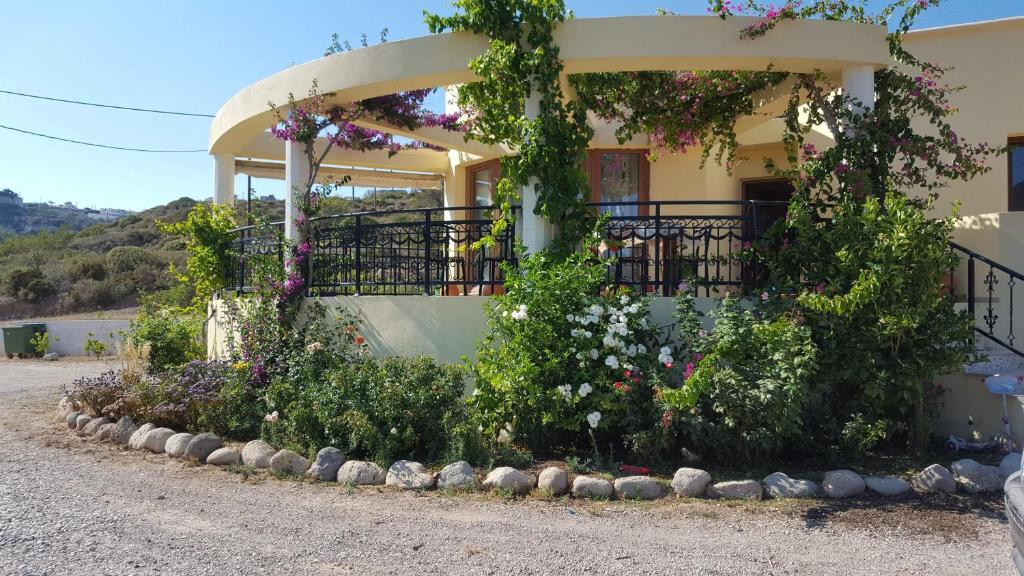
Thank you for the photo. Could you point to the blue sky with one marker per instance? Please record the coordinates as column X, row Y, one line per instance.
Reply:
column 192, row 55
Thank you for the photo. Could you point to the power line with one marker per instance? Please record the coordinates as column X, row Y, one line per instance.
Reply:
column 150, row 110
column 99, row 145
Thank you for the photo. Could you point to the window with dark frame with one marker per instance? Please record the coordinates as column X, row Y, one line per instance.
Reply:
column 1015, row 158
column 619, row 176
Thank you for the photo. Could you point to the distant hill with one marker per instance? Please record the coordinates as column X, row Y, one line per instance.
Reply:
column 19, row 217
column 57, row 270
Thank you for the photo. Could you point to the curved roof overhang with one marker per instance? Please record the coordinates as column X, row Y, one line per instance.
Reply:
column 587, row 45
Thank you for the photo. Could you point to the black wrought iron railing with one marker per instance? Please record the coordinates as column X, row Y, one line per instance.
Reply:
column 416, row 251
column 655, row 246
column 988, row 288
column 252, row 245
column 659, row 244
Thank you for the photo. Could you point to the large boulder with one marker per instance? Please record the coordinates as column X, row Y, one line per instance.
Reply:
column 288, row 462
column 176, row 445
column 123, row 431
column 736, row 490
column 93, row 426
column 1009, row 464
column 508, row 478
column 638, row 488
column 887, row 485
column 359, row 473
column 258, row 454
column 779, row 485
column 72, row 419
column 976, row 477
column 935, row 478
column 409, row 475
column 103, row 434
column 590, row 487
column 842, row 484
column 457, row 476
column 690, row 482
column 554, row 480
column 326, row 465
column 224, row 457
column 135, row 441
column 80, row 423
column 156, row 439
column 202, row 445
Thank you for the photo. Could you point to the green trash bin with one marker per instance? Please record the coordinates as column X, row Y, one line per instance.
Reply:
column 17, row 341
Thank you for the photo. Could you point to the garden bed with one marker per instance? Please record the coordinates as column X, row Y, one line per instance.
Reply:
column 924, row 509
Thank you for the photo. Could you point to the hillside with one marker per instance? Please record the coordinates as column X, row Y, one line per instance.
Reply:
column 19, row 217
column 105, row 266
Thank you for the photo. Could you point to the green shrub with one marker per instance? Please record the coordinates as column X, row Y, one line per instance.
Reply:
column 88, row 293
column 174, row 336
column 126, row 259
column 87, row 266
column 745, row 395
column 880, row 314
column 27, row 284
column 93, row 346
column 386, row 408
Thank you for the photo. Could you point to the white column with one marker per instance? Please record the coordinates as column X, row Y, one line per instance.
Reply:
column 859, row 83
column 224, row 179
column 536, row 231
column 296, row 176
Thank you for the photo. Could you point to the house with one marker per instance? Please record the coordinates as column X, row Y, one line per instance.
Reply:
column 670, row 218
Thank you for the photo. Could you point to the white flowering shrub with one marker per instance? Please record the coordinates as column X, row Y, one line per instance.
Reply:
column 561, row 361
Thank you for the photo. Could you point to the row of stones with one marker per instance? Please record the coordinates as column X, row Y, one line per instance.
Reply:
column 330, row 466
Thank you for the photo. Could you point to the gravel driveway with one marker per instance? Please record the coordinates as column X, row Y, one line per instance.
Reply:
column 71, row 506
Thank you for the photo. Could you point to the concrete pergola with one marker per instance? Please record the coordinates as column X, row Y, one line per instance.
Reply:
column 847, row 52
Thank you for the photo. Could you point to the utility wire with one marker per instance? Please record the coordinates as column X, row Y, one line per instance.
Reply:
column 104, row 105
column 100, row 145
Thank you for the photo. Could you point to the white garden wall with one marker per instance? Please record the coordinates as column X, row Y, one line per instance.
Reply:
column 68, row 336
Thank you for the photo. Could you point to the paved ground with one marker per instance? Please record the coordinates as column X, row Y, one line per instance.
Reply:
column 71, row 506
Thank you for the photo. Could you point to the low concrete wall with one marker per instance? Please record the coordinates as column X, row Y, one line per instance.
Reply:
column 965, row 398
column 68, row 336
column 445, row 328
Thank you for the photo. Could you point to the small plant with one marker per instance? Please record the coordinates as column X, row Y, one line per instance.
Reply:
column 243, row 470
column 93, row 346
column 41, row 343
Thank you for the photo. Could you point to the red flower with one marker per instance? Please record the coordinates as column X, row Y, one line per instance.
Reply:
column 627, row 373
column 666, row 419
column 618, row 385
column 359, row 340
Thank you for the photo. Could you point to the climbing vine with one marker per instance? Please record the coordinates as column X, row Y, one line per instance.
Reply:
column 522, row 64
column 677, row 110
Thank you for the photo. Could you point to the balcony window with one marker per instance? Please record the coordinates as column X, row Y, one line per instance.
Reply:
column 619, row 176
column 1016, row 159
